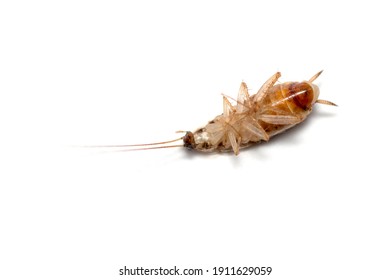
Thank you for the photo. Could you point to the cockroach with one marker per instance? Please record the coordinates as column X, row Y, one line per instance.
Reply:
column 255, row 118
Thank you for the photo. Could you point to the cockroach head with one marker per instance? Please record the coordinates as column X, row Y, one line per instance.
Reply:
column 189, row 140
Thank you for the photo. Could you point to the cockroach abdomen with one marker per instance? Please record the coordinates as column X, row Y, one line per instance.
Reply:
column 302, row 95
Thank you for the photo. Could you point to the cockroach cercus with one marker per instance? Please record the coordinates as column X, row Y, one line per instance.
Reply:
column 255, row 118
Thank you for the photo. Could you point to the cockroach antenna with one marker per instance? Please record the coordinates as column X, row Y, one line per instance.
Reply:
column 140, row 147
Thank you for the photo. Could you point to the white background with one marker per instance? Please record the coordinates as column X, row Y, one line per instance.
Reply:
column 312, row 203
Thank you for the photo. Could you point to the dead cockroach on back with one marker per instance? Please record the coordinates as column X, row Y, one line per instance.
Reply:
column 272, row 110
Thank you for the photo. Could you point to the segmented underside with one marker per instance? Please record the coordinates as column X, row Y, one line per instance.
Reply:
column 254, row 118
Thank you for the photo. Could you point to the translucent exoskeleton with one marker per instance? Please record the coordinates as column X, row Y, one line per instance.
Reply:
column 255, row 118
column 272, row 110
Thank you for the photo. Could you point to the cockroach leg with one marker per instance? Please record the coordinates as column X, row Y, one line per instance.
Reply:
column 228, row 108
column 266, row 86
